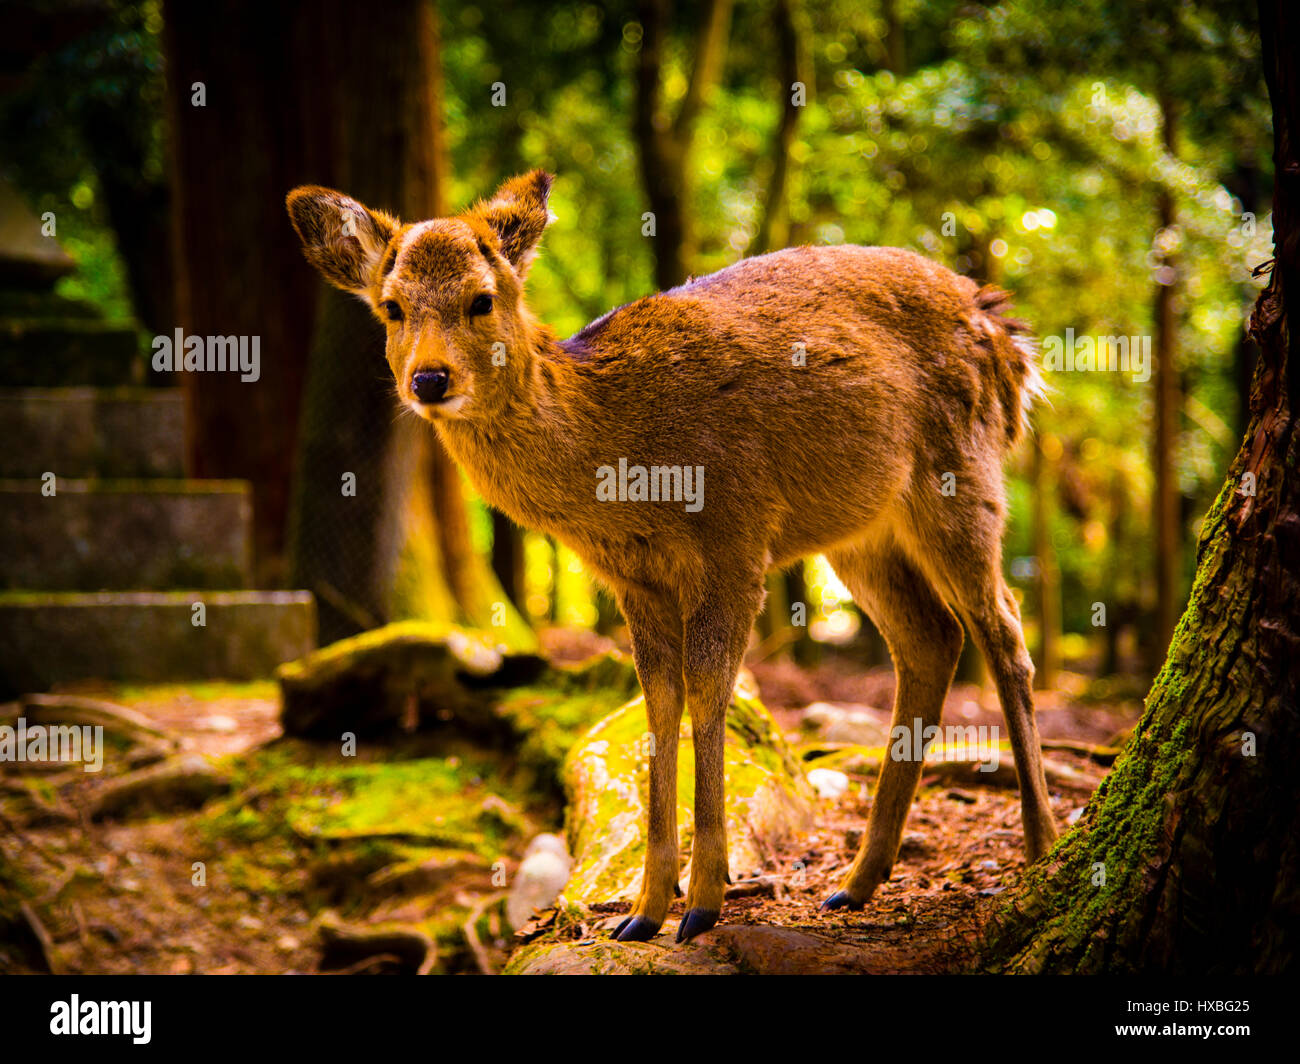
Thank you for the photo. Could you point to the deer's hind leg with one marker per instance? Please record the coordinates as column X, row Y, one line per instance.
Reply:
column 990, row 611
column 924, row 639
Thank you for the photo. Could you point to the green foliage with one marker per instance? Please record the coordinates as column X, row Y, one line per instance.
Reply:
column 1022, row 142
column 89, row 114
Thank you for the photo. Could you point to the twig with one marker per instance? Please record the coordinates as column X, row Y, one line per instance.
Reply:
column 25, row 841
column 1103, row 755
column 471, row 932
column 83, row 934
column 42, row 936
column 370, row 962
column 771, row 645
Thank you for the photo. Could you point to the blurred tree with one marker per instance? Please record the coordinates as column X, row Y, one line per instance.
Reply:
column 1168, row 412
column 83, row 88
column 242, row 133
column 665, row 142
column 377, row 528
column 401, row 546
column 1047, row 662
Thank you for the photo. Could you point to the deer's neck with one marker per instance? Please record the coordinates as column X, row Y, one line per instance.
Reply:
column 525, row 458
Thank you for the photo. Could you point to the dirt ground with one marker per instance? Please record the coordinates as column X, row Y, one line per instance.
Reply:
column 118, row 896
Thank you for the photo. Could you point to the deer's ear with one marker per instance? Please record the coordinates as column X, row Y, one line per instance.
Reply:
column 340, row 237
column 517, row 215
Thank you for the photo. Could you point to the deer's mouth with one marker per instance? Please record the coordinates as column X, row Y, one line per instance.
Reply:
column 449, row 406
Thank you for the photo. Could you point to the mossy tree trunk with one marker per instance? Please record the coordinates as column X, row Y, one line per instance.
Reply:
column 1187, row 859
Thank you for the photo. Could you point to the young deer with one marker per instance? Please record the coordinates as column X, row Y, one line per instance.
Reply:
column 826, row 391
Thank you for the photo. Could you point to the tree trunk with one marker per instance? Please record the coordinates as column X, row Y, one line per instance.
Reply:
column 1168, row 526
column 1047, row 662
column 664, row 144
column 895, row 42
column 508, row 557
column 236, row 270
column 379, row 528
column 1117, row 562
column 790, row 36
column 1186, row 860
column 1244, row 184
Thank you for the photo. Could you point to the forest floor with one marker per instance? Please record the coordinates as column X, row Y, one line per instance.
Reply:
column 117, row 896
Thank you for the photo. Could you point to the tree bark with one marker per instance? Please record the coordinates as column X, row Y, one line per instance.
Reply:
column 1186, row 859
column 236, row 273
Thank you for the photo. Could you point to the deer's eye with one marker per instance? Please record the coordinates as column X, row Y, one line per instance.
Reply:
column 391, row 308
column 482, row 305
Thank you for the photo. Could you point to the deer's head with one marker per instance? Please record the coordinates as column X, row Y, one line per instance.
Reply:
column 449, row 291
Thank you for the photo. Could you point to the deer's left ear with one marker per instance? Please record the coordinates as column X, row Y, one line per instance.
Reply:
column 517, row 215
column 342, row 238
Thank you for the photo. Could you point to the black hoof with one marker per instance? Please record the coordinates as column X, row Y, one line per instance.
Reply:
column 695, row 922
column 636, row 929
column 840, row 900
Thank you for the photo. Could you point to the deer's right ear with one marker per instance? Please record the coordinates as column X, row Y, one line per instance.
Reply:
column 340, row 237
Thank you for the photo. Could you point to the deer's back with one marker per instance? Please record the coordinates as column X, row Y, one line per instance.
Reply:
column 814, row 385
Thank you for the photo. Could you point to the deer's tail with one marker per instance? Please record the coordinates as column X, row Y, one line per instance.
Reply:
column 1015, row 359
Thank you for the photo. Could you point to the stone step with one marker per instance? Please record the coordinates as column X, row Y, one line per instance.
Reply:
column 45, row 353
column 111, row 535
column 92, row 432
column 146, row 637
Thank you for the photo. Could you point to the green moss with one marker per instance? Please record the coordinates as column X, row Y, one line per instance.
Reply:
column 606, row 779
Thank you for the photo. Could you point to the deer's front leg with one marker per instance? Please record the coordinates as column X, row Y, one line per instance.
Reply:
column 656, row 631
column 715, row 640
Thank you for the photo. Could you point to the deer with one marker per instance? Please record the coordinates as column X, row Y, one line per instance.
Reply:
column 855, row 402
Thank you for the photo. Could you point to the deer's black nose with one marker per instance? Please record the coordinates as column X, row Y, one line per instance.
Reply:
column 430, row 385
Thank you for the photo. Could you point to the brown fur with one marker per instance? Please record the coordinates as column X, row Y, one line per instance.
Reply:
column 910, row 371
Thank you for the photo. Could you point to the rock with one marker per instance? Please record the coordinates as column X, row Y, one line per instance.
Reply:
column 860, row 725
column 828, row 783
column 541, row 876
column 28, row 257
column 605, row 779
column 48, row 638
column 183, row 782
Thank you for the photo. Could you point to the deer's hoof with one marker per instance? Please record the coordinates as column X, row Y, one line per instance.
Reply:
column 636, row 929
column 695, row 922
column 841, row 899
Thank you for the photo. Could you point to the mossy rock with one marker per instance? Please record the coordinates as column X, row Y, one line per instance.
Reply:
column 606, row 782
column 395, row 676
column 414, row 675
